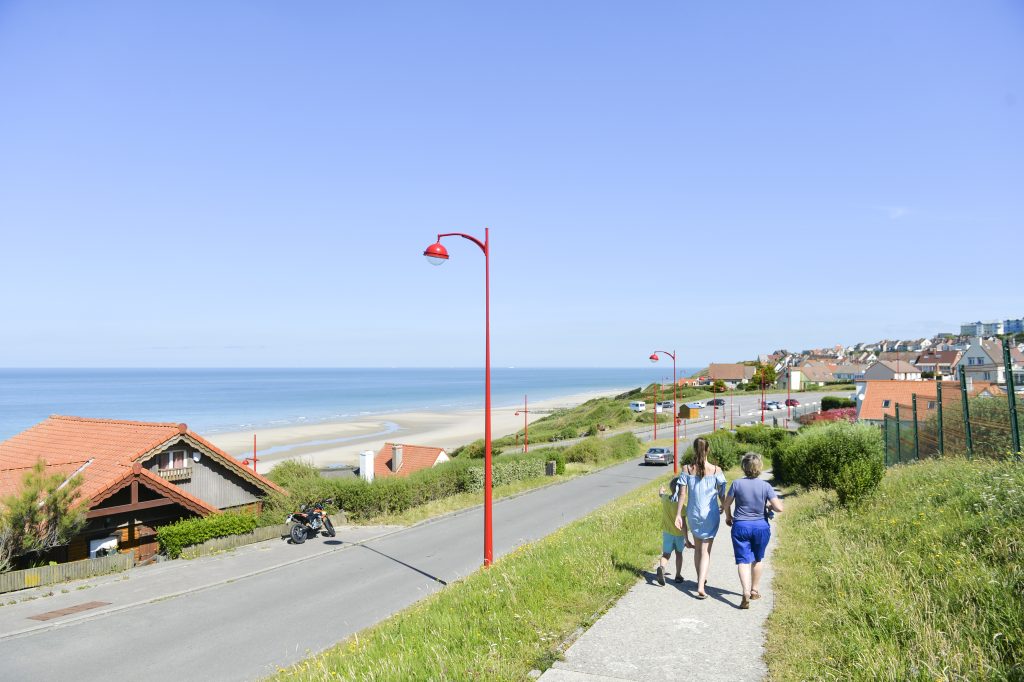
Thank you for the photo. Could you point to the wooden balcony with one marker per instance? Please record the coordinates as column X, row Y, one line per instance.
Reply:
column 174, row 475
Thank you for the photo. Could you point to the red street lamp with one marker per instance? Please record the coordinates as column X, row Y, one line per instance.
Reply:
column 656, row 411
column 526, row 424
column 675, row 420
column 436, row 254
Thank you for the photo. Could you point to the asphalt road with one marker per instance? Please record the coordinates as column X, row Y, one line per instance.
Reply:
column 247, row 629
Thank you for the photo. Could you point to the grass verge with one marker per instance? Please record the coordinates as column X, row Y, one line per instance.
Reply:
column 461, row 501
column 501, row 623
column 923, row 581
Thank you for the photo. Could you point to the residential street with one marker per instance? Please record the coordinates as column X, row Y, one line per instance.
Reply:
column 252, row 615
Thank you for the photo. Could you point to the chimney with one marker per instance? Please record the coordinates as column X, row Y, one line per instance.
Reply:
column 366, row 465
column 396, row 458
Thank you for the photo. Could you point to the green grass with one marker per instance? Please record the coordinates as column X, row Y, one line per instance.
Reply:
column 501, row 623
column 923, row 581
column 465, row 500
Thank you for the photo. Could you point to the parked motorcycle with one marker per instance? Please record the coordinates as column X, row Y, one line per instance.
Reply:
column 310, row 522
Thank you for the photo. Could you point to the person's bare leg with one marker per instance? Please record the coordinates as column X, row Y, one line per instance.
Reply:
column 744, row 571
column 696, row 559
column 756, row 570
column 679, row 565
column 705, row 564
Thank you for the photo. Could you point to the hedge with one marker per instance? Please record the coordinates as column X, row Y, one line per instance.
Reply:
column 361, row 500
column 841, row 456
column 832, row 402
column 176, row 536
column 725, row 450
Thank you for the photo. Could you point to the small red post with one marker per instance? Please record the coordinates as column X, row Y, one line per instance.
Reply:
column 254, row 453
column 526, row 425
column 655, row 411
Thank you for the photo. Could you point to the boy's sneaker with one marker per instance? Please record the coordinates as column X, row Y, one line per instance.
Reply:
column 661, row 576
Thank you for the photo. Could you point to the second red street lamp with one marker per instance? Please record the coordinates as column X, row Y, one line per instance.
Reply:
column 675, row 408
column 436, row 254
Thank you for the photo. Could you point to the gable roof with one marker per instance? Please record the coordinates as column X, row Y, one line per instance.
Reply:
column 938, row 357
column 158, row 485
column 104, row 449
column 901, row 392
column 728, row 371
column 414, row 458
column 815, row 372
column 899, row 366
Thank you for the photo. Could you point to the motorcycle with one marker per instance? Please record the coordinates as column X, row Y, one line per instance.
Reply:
column 310, row 522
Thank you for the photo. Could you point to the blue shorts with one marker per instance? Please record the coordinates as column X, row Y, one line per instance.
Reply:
column 671, row 542
column 750, row 540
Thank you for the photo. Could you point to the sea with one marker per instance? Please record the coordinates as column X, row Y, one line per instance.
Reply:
column 224, row 400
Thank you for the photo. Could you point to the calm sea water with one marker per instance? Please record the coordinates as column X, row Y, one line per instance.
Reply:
column 212, row 400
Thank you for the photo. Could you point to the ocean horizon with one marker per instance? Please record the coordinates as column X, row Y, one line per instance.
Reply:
column 234, row 399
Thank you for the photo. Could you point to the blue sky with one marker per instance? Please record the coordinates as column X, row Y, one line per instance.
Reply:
column 252, row 183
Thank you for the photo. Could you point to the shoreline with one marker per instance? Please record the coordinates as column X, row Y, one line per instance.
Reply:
column 333, row 443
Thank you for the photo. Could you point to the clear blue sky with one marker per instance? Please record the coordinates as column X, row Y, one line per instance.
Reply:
column 252, row 183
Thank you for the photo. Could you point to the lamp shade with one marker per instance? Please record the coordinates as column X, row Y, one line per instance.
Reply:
column 436, row 254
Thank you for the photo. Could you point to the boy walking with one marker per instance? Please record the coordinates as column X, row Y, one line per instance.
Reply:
column 672, row 539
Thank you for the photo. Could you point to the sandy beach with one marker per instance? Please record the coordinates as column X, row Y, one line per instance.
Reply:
column 334, row 443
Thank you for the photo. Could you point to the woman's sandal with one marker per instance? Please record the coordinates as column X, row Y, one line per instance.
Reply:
column 754, row 594
column 745, row 604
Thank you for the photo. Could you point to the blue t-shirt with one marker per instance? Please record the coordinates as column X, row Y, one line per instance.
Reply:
column 751, row 495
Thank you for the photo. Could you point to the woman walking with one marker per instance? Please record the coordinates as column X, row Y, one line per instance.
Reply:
column 705, row 493
column 750, row 530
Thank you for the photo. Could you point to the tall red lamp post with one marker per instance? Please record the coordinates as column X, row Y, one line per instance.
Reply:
column 526, row 424
column 436, row 254
column 675, row 421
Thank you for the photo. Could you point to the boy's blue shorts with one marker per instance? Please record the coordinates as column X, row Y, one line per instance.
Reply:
column 750, row 540
column 671, row 542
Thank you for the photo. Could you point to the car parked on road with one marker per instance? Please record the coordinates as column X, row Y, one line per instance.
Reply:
column 697, row 404
column 792, row 402
column 658, row 456
column 720, row 402
column 771, row 405
column 667, row 405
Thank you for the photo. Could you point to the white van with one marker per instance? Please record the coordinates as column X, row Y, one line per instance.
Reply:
column 638, row 406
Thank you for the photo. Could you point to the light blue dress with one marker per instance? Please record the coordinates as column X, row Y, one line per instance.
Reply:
column 702, row 515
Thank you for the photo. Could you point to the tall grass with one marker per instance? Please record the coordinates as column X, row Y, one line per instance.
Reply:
column 501, row 623
column 925, row 580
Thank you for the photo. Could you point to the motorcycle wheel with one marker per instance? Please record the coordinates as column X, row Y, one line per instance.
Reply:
column 298, row 533
column 329, row 528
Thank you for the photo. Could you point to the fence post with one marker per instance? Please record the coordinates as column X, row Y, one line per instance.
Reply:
column 938, row 404
column 1011, row 399
column 917, row 442
column 967, row 413
column 899, row 445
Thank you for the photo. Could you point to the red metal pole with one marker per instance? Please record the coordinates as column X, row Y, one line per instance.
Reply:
column 731, row 393
column 675, row 418
column 789, row 406
column 254, row 452
column 714, row 412
column 488, row 538
column 655, row 411
column 762, row 396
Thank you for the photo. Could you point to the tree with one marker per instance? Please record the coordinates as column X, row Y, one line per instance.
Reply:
column 763, row 374
column 718, row 386
column 42, row 515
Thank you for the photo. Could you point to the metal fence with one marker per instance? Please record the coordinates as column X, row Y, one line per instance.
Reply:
column 953, row 419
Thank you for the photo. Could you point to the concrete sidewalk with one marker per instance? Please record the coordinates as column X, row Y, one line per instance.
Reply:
column 21, row 610
column 666, row 633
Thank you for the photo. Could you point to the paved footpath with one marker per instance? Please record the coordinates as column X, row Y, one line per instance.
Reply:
column 666, row 633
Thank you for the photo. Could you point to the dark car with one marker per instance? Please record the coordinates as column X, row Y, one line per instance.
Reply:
column 792, row 402
column 720, row 402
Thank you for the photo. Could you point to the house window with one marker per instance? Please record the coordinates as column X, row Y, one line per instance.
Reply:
column 885, row 403
column 173, row 459
column 931, row 404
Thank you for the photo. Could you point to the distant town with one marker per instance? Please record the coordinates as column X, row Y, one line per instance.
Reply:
column 884, row 373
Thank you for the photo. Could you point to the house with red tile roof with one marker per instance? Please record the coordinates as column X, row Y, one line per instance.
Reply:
column 879, row 397
column 731, row 374
column 939, row 362
column 136, row 476
column 400, row 459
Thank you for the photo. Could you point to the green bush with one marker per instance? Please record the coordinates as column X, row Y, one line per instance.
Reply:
column 817, row 455
column 176, row 536
column 559, row 463
column 725, row 450
column 834, row 402
column 289, row 471
column 858, row 479
column 587, row 450
column 767, row 440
